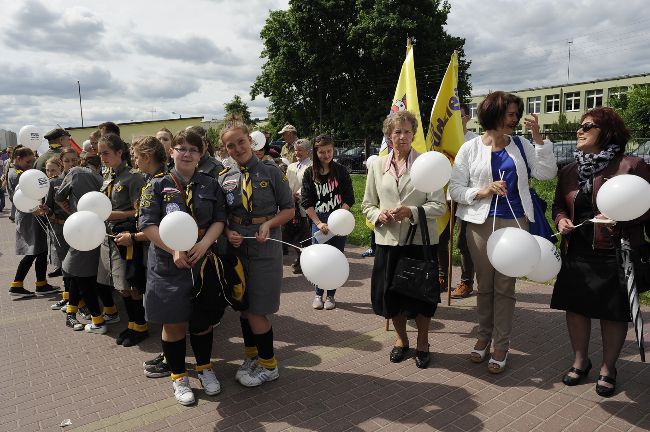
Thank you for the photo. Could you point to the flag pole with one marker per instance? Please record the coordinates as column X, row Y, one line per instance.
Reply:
column 451, row 249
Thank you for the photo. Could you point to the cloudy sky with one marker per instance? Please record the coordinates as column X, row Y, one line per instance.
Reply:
column 144, row 59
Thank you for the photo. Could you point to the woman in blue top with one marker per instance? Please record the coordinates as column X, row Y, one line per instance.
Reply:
column 485, row 167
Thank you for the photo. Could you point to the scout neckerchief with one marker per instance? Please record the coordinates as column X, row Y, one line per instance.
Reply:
column 188, row 196
column 246, row 190
column 109, row 187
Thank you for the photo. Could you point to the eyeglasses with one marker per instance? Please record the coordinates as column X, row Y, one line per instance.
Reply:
column 184, row 150
column 586, row 127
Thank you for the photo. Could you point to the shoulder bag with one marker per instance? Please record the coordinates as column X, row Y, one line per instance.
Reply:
column 414, row 278
column 540, row 227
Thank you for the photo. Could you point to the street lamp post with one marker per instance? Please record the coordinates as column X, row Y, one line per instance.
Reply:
column 175, row 113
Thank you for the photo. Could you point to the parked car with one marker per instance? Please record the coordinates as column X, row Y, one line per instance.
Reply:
column 563, row 151
column 354, row 159
column 643, row 150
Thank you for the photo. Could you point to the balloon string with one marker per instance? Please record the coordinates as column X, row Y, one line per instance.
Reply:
column 192, row 276
column 41, row 223
column 276, row 240
column 53, row 233
column 496, row 201
column 407, row 195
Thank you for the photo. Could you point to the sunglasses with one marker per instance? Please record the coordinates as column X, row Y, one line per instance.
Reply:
column 586, row 127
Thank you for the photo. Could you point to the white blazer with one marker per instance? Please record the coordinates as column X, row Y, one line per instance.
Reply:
column 472, row 172
column 383, row 192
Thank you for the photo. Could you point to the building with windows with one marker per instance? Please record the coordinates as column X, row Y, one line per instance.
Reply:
column 572, row 100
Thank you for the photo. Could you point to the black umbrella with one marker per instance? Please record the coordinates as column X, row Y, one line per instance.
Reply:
column 633, row 295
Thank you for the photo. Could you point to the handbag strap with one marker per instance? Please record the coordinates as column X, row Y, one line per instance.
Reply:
column 424, row 231
column 520, row 146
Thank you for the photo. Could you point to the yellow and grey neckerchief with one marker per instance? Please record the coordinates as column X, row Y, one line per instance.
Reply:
column 246, row 189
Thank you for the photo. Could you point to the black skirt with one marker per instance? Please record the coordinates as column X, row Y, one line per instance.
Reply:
column 388, row 303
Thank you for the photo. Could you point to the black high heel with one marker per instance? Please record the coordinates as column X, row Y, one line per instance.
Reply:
column 571, row 381
column 422, row 358
column 397, row 354
column 603, row 390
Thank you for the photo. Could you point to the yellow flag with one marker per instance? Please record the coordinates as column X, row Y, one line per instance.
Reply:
column 445, row 132
column 406, row 98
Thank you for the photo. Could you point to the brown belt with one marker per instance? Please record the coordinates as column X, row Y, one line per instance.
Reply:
column 250, row 221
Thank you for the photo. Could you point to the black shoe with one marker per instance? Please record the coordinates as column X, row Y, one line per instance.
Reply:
column 20, row 292
column 122, row 336
column 47, row 289
column 58, row 305
column 571, row 381
column 158, row 370
column 158, row 359
column 56, row 273
column 72, row 322
column 603, row 390
column 85, row 313
column 397, row 354
column 135, row 338
column 422, row 359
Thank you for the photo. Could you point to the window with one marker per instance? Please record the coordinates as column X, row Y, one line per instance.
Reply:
column 616, row 92
column 534, row 105
column 553, row 103
column 572, row 101
column 593, row 99
column 472, row 110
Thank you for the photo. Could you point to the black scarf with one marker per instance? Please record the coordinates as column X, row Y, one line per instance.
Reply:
column 590, row 164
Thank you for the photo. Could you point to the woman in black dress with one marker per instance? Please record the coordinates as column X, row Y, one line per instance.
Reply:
column 589, row 285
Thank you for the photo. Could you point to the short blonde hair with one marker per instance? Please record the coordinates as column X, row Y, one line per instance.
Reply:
column 397, row 118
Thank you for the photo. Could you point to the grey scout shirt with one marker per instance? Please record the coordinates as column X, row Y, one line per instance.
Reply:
column 209, row 165
column 127, row 187
column 271, row 190
column 76, row 183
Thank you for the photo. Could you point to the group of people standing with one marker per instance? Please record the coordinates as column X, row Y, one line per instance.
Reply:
column 241, row 204
column 590, row 284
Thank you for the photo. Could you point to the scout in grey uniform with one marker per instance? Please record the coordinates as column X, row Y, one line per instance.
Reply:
column 81, row 266
column 31, row 238
column 172, row 298
column 258, row 202
column 57, row 138
column 123, row 186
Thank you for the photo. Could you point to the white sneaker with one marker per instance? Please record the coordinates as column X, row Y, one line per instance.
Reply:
column 318, row 303
column 209, row 382
column 245, row 368
column 93, row 328
column 330, row 303
column 111, row 318
column 182, row 391
column 259, row 376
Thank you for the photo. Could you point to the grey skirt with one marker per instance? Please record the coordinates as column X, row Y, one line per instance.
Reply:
column 81, row 264
column 58, row 248
column 31, row 239
column 263, row 269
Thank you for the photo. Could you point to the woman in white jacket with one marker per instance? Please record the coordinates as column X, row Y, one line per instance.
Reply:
column 485, row 167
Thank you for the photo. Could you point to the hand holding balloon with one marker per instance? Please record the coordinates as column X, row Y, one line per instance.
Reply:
column 401, row 213
column 495, row 188
column 565, row 226
column 234, row 238
column 262, row 233
column 180, row 259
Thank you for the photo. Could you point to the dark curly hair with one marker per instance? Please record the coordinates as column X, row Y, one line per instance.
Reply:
column 611, row 127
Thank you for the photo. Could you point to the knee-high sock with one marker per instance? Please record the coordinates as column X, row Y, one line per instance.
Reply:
column 73, row 295
column 202, row 347
column 41, row 268
column 250, row 346
column 87, row 287
column 266, row 357
column 175, row 356
column 140, row 323
column 105, row 293
column 23, row 268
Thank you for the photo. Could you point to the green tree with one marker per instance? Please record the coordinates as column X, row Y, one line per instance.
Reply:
column 562, row 129
column 634, row 108
column 238, row 107
column 332, row 65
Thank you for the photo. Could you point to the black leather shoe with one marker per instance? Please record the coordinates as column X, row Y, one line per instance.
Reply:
column 397, row 354
column 56, row 273
column 122, row 336
column 422, row 359
column 603, row 390
column 571, row 381
column 135, row 338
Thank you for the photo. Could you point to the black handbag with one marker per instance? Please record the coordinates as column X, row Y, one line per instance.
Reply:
column 414, row 278
column 641, row 263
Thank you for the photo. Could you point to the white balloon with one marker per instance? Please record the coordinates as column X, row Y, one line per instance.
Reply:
column 513, row 251
column 84, row 230
column 370, row 160
column 30, row 137
column 624, row 197
column 178, row 230
column 549, row 263
column 97, row 203
column 259, row 140
column 324, row 266
column 45, row 145
column 34, row 183
column 341, row 222
column 430, row 171
column 24, row 203
column 286, row 161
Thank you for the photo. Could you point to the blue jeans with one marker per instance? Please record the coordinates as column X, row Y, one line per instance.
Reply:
column 336, row 241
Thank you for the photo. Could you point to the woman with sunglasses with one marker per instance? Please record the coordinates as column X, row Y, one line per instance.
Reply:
column 173, row 299
column 31, row 238
column 588, row 285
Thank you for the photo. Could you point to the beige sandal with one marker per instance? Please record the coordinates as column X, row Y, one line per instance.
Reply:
column 479, row 356
column 501, row 365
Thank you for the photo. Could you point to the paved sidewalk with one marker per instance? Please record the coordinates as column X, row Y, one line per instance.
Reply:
column 334, row 375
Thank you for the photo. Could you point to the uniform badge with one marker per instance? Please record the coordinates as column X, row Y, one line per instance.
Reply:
column 118, row 187
column 285, row 179
column 264, row 184
column 171, row 207
column 229, row 185
column 171, row 190
column 230, row 198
